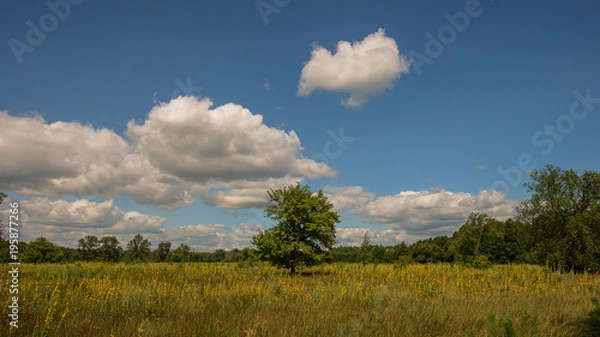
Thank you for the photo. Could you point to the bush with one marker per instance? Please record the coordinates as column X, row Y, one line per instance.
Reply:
column 481, row 262
column 403, row 262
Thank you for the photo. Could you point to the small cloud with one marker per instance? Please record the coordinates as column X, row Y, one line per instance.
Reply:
column 267, row 84
column 278, row 108
column 480, row 167
column 362, row 69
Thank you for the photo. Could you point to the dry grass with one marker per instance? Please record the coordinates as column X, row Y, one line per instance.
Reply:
column 338, row 300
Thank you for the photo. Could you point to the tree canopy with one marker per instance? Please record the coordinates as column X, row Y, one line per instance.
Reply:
column 42, row 251
column 304, row 231
column 138, row 249
column 564, row 215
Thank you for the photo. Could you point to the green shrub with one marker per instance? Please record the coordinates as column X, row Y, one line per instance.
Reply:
column 402, row 262
column 481, row 262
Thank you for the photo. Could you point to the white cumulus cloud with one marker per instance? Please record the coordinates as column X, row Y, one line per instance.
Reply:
column 188, row 139
column 182, row 150
column 362, row 69
column 244, row 193
column 421, row 213
column 353, row 198
column 436, row 211
column 65, row 222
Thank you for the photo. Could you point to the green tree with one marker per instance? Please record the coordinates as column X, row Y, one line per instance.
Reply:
column 88, row 247
column 564, row 215
column 234, row 255
column 366, row 249
column 109, row 249
column 70, row 254
column 162, row 252
column 42, row 251
column 393, row 254
column 138, row 249
column 517, row 241
column 304, row 231
column 218, row 256
column 466, row 241
column 431, row 250
column 181, row 253
column 345, row 254
column 493, row 242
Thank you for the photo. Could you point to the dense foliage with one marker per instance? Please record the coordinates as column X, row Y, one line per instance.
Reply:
column 564, row 217
column 304, row 231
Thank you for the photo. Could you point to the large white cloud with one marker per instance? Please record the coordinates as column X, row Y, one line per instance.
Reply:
column 362, row 69
column 182, row 150
column 65, row 222
column 353, row 198
column 52, row 158
column 73, row 159
column 189, row 140
column 422, row 213
column 244, row 193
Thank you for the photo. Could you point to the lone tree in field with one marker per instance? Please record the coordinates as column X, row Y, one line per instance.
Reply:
column 305, row 229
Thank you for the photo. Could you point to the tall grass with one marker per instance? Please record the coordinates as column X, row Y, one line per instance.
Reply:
column 337, row 300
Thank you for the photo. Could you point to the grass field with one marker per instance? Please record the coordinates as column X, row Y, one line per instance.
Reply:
column 335, row 300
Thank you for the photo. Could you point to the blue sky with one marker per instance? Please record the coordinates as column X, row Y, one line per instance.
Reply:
column 426, row 140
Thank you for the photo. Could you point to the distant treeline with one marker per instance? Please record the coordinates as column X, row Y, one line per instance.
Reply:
column 559, row 226
column 481, row 240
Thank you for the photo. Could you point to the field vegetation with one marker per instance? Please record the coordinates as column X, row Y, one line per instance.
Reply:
column 236, row 299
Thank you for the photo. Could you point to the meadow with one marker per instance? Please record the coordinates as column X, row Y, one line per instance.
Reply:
column 204, row 299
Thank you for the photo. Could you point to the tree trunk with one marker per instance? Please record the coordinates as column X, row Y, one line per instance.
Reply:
column 292, row 270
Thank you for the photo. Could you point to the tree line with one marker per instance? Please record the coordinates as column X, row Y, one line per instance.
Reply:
column 108, row 249
column 558, row 226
